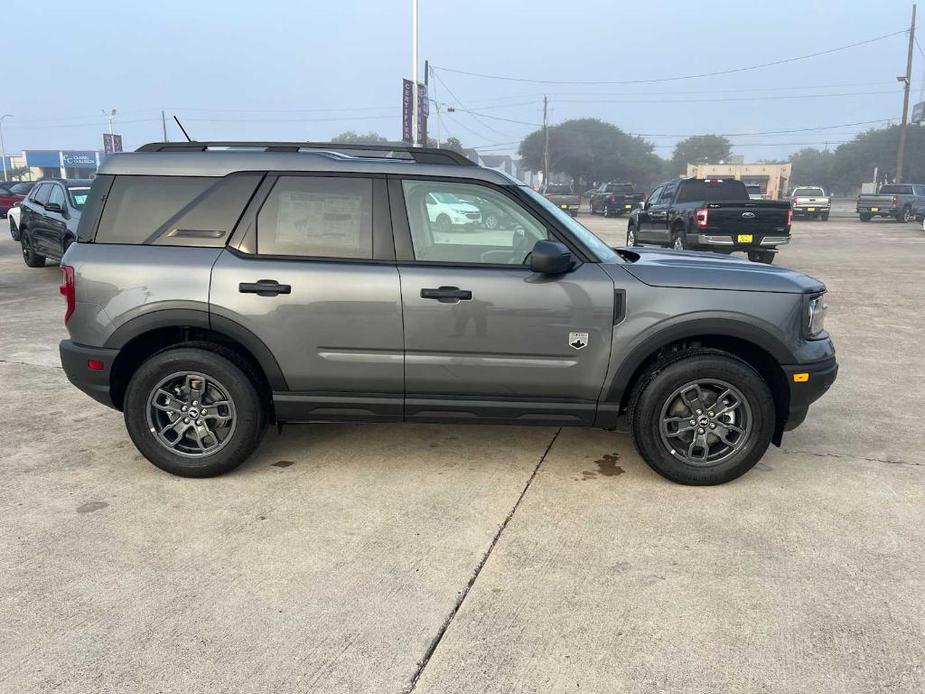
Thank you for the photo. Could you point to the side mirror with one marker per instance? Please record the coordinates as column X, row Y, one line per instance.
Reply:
column 53, row 207
column 551, row 258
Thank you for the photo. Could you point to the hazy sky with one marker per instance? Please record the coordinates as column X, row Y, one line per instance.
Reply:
column 309, row 70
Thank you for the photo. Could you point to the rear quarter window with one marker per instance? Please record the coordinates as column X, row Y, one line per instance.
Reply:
column 174, row 210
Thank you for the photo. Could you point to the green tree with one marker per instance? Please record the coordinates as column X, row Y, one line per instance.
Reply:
column 854, row 161
column 700, row 149
column 588, row 149
column 813, row 167
column 452, row 143
column 351, row 138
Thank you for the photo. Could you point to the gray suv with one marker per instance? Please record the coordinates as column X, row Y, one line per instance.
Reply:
column 217, row 287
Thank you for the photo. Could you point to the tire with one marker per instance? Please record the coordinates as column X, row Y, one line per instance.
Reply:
column 14, row 231
column 716, row 452
column 631, row 237
column 825, row 217
column 766, row 257
column 226, row 382
column 29, row 256
column 865, row 217
column 606, row 210
column 444, row 224
column 678, row 240
column 907, row 215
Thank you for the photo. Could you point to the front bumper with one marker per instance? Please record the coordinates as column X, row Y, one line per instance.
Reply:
column 75, row 359
column 807, row 383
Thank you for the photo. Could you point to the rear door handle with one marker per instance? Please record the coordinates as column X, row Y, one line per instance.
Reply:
column 264, row 288
column 447, row 295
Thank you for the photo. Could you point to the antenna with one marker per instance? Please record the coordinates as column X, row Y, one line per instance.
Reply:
column 185, row 134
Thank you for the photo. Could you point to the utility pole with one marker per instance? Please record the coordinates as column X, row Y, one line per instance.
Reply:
column 3, row 146
column 164, row 125
column 545, row 144
column 907, row 78
column 414, row 74
column 110, row 117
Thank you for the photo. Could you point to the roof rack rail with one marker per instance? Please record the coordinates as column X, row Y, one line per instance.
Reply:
column 422, row 155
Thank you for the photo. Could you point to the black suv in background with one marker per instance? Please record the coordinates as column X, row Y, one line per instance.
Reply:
column 711, row 214
column 49, row 218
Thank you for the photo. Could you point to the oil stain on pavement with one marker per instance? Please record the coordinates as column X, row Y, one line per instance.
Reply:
column 606, row 467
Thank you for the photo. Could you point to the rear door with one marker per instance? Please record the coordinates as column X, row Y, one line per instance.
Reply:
column 486, row 338
column 313, row 277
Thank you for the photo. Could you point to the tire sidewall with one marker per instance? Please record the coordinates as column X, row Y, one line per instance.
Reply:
column 646, row 413
column 248, row 407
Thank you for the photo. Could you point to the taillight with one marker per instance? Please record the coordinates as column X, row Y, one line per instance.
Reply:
column 789, row 217
column 701, row 217
column 613, row 197
column 895, row 201
column 67, row 290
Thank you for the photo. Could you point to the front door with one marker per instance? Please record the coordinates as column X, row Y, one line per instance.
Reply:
column 321, row 291
column 486, row 338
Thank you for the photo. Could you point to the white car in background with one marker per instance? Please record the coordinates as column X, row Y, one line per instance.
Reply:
column 12, row 216
column 446, row 211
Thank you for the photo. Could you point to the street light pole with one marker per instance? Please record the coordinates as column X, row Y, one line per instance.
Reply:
column 907, row 79
column 414, row 74
column 3, row 146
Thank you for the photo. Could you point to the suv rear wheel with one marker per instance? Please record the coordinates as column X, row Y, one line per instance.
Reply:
column 193, row 412
column 29, row 256
column 704, row 419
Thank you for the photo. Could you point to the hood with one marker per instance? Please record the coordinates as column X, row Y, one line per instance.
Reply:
column 692, row 270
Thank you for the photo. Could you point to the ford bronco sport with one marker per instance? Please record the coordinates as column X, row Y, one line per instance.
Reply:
column 216, row 287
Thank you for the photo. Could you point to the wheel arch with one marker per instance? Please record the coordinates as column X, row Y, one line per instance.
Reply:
column 149, row 334
column 753, row 345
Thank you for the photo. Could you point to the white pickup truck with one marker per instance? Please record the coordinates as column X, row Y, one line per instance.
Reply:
column 811, row 201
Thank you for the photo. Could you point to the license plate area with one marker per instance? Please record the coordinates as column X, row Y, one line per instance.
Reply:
column 874, row 209
column 744, row 238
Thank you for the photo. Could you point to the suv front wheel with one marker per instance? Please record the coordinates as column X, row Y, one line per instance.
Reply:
column 193, row 413
column 704, row 419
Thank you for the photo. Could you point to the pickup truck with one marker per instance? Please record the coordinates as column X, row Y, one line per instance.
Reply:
column 561, row 196
column 615, row 199
column 811, row 201
column 897, row 200
column 754, row 191
column 712, row 214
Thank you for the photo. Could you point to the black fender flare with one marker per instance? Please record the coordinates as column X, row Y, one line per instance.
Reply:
column 690, row 326
column 201, row 318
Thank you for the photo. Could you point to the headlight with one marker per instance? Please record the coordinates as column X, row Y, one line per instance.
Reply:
column 816, row 309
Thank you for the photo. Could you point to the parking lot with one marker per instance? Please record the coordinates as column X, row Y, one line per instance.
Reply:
column 446, row 559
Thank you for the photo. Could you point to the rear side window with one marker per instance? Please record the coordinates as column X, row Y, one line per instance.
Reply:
column 896, row 190
column 712, row 190
column 317, row 216
column 174, row 210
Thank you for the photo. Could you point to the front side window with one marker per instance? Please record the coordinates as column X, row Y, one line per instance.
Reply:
column 317, row 216
column 41, row 195
column 653, row 197
column 468, row 223
column 56, row 196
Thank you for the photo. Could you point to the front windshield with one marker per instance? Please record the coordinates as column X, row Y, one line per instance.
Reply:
column 448, row 198
column 79, row 196
column 21, row 188
column 600, row 249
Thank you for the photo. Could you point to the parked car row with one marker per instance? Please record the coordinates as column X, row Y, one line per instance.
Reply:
column 45, row 221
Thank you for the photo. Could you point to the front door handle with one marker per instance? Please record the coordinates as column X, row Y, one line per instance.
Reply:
column 264, row 288
column 447, row 295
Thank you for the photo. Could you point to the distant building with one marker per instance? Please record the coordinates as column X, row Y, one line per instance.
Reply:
column 57, row 163
column 774, row 179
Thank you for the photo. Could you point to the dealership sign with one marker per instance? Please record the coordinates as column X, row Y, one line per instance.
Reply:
column 55, row 159
column 407, row 98
column 111, row 143
column 918, row 112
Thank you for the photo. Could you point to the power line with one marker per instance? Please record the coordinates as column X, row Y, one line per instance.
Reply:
column 716, row 73
column 459, row 102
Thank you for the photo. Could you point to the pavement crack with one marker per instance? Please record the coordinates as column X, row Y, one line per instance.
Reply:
column 478, row 569
column 844, row 456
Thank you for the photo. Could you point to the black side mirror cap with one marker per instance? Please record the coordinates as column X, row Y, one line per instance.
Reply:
column 551, row 258
column 53, row 207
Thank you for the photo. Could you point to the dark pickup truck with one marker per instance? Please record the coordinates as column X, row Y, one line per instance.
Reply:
column 901, row 201
column 561, row 196
column 711, row 214
column 615, row 199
